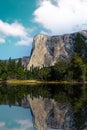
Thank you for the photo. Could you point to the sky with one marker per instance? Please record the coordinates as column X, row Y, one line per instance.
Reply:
column 15, row 118
column 21, row 20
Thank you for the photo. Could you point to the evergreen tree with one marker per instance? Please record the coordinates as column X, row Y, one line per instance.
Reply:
column 77, row 67
column 20, row 73
column 80, row 46
column 60, row 69
column 4, row 76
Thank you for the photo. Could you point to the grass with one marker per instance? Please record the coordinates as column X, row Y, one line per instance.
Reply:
column 31, row 82
column 22, row 82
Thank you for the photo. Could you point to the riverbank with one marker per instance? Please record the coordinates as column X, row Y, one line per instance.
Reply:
column 31, row 82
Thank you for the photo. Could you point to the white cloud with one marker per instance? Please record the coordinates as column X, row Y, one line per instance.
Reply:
column 2, row 124
column 2, row 40
column 62, row 16
column 25, row 42
column 15, row 29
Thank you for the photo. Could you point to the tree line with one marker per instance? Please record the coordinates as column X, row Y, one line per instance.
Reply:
column 74, row 68
column 11, row 69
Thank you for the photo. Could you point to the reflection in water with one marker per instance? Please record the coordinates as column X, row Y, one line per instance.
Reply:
column 15, row 118
column 73, row 96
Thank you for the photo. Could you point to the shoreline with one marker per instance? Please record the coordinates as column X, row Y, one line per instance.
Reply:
column 35, row 82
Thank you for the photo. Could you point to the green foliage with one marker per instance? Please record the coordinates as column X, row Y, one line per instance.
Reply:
column 20, row 73
column 19, row 63
column 4, row 76
column 11, row 70
column 60, row 69
column 77, row 67
column 34, row 73
column 80, row 45
column 44, row 73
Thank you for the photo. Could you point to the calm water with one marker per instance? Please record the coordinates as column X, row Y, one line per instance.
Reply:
column 15, row 117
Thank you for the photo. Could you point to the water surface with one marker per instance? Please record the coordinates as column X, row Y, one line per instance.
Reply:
column 15, row 118
column 19, row 118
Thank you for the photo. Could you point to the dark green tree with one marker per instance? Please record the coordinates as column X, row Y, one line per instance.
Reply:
column 44, row 73
column 19, row 63
column 4, row 76
column 20, row 73
column 60, row 70
column 77, row 67
column 80, row 45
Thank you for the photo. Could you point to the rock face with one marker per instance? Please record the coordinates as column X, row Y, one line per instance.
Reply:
column 48, row 114
column 47, row 49
column 24, row 61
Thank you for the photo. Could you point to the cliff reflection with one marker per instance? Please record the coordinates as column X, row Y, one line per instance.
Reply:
column 74, row 96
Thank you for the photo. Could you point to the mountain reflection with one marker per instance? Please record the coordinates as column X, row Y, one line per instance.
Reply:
column 73, row 95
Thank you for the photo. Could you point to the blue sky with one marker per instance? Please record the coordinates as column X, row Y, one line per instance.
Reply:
column 21, row 20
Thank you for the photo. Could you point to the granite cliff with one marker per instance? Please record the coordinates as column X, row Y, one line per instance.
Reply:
column 24, row 60
column 46, row 50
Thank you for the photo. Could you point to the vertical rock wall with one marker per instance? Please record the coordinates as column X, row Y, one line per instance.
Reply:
column 47, row 50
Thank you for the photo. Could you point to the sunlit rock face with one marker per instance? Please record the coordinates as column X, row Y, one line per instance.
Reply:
column 47, row 50
column 40, row 51
column 47, row 114
column 24, row 61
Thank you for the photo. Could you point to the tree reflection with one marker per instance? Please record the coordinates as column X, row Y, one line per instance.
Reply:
column 73, row 95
